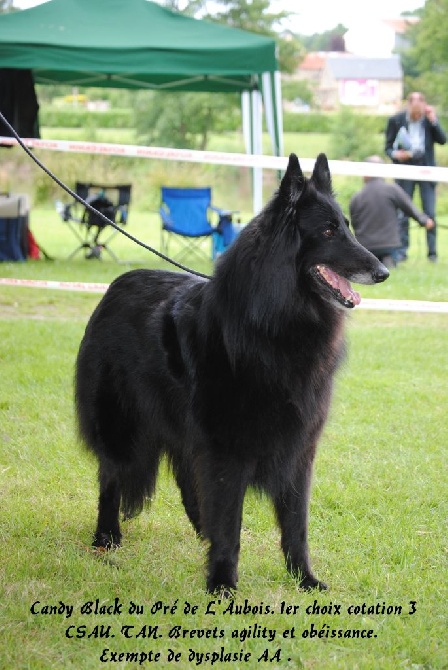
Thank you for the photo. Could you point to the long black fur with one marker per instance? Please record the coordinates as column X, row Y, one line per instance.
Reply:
column 230, row 378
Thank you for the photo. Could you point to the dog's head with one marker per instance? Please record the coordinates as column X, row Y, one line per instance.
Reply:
column 328, row 257
column 297, row 249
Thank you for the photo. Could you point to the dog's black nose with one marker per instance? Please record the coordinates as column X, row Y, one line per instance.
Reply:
column 380, row 274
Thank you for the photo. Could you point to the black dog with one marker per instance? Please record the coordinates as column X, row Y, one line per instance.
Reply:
column 230, row 378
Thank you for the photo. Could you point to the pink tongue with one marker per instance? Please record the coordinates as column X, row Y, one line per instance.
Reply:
column 342, row 285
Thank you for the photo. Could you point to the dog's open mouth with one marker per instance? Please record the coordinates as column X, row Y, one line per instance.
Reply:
column 339, row 286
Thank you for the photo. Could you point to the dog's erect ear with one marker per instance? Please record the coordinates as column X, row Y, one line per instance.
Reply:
column 321, row 175
column 293, row 179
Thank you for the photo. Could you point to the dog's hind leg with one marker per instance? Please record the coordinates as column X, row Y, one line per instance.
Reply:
column 291, row 507
column 107, row 532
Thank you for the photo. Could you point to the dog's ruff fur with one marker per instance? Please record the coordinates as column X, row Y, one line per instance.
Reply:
column 230, row 378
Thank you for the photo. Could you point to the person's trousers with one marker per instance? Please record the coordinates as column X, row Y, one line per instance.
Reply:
column 428, row 198
column 387, row 255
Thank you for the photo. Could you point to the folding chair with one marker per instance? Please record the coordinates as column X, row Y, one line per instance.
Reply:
column 185, row 214
column 14, row 211
column 226, row 231
column 112, row 201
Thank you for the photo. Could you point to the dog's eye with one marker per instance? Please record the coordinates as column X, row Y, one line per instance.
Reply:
column 329, row 232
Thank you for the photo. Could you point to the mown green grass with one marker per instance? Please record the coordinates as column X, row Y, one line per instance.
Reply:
column 376, row 531
column 378, row 510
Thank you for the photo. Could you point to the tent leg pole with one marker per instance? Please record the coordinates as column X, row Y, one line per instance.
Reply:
column 257, row 189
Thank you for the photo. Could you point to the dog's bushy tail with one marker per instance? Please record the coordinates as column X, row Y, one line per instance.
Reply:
column 134, row 481
column 137, row 485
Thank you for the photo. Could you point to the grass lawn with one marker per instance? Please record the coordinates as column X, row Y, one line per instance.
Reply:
column 378, row 512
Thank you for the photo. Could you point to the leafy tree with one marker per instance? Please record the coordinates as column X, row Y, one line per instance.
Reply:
column 192, row 8
column 426, row 63
column 337, row 42
column 329, row 40
column 182, row 120
column 256, row 17
column 298, row 89
column 353, row 136
column 7, row 6
column 290, row 53
column 251, row 15
column 185, row 120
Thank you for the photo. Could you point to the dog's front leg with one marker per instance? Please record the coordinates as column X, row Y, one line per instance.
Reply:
column 222, row 485
column 291, row 507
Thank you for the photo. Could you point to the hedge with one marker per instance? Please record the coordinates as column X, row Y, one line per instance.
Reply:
column 312, row 122
column 82, row 118
column 316, row 122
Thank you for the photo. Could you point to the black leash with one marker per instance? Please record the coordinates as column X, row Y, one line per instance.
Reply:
column 95, row 211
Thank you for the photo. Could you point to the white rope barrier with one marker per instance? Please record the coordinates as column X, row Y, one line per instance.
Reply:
column 405, row 305
column 348, row 168
column 367, row 303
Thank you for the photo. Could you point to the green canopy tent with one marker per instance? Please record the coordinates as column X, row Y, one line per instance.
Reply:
column 138, row 44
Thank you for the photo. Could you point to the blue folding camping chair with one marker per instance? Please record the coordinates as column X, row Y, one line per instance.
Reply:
column 185, row 214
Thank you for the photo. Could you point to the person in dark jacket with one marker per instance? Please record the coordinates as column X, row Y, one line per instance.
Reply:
column 374, row 216
column 410, row 139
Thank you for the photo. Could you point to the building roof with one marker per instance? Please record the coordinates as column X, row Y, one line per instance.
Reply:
column 401, row 24
column 357, row 67
column 313, row 61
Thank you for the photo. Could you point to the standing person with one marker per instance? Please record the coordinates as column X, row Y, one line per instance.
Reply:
column 410, row 138
column 374, row 216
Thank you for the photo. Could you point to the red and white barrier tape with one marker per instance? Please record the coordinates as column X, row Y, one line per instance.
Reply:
column 348, row 168
column 367, row 303
column 58, row 285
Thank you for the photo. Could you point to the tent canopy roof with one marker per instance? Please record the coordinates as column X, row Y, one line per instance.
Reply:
column 131, row 44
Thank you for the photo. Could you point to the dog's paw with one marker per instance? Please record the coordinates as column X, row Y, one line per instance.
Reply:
column 309, row 582
column 226, row 593
column 106, row 541
column 222, row 591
